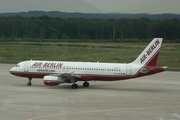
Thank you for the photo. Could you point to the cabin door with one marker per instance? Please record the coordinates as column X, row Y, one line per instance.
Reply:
column 26, row 67
column 128, row 70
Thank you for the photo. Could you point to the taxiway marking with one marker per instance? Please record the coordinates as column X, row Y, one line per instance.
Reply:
column 176, row 115
column 98, row 111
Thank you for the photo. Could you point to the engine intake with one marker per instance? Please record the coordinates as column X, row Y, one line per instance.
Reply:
column 51, row 80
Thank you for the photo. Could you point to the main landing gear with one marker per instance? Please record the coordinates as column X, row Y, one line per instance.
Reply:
column 29, row 83
column 75, row 86
column 85, row 84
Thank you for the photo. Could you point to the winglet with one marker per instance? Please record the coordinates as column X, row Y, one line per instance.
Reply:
column 150, row 54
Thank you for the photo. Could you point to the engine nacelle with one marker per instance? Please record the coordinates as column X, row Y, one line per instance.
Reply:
column 51, row 80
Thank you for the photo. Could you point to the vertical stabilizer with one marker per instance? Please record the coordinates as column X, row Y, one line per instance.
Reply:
column 150, row 54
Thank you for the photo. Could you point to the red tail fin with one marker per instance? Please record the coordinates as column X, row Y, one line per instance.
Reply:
column 150, row 54
column 153, row 61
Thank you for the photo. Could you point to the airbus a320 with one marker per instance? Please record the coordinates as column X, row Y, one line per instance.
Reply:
column 58, row 72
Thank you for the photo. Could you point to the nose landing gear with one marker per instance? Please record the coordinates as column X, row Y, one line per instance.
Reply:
column 29, row 83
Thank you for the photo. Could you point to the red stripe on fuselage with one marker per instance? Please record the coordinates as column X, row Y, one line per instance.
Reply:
column 89, row 77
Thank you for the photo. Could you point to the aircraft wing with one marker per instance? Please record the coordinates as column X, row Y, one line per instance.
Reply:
column 66, row 75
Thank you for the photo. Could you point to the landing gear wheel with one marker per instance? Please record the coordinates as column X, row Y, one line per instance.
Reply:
column 74, row 86
column 28, row 84
column 85, row 84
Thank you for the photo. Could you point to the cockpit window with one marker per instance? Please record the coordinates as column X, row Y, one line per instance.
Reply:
column 17, row 65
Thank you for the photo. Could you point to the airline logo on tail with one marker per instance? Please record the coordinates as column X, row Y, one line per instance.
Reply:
column 150, row 51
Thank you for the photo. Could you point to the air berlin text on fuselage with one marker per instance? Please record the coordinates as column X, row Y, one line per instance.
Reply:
column 47, row 64
column 150, row 50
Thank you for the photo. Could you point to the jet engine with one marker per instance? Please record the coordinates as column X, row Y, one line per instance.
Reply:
column 52, row 80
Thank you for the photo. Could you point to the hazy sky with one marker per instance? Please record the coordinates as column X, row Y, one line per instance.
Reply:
column 92, row 6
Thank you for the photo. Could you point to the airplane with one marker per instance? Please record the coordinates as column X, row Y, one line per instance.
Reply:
column 58, row 72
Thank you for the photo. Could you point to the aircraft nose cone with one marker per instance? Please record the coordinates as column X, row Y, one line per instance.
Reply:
column 11, row 70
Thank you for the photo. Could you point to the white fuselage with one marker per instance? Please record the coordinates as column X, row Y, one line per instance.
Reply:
column 93, row 69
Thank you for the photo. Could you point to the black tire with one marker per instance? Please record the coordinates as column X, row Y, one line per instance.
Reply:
column 74, row 86
column 85, row 84
column 28, row 84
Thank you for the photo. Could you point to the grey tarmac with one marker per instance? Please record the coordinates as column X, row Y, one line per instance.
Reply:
column 155, row 97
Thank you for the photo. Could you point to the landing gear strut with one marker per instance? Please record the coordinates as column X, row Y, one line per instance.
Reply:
column 85, row 84
column 29, row 83
column 74, row 85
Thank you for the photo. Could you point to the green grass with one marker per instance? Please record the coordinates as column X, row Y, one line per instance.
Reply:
column 11, row 52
